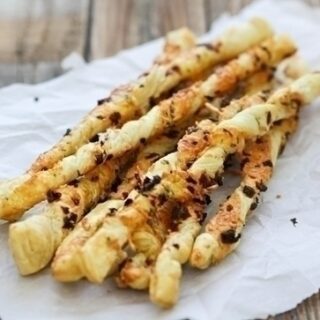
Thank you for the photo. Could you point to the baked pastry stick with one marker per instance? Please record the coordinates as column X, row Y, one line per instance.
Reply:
column 120, row 106
column 176, row 185
column 135, row 273
column 132, row 100
column 282, row 104
column 225, row 228
column 154, row 150
column 34, row 241
column 222, row 233
column 289, row 99
column 66, row 265
column 146, row 157
column 16, row 197
column 101, row 253
column 149, row 155
column 176, row 42
column 92, row 241
column 258, row 88
column 133, row 265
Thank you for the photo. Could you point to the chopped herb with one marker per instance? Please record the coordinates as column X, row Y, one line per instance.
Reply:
column 202, row 217
column 115, row 117
column 248, row 191
column 229, row 236
column 261, row 186
column 229, row 207
column 76, row 201
column 53, row 196
column 65, row 209
column 104, row 100
column 95, row 138
column 67, row 133
column 294, row 221
column 148, row 183
column 267, row 163
column 128, row 202
column 99, row 158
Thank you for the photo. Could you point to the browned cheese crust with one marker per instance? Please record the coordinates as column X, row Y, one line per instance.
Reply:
column 116, row 142
column 223, row 232
column 132, row 100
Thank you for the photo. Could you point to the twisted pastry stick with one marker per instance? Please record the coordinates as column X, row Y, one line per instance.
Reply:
column 16, row 197
column 285, row 104
column 140, row 212
column 125, row 103
column 167, row 272
column 130, row 101
column 136, row 272
column 105, row 245
column 223, row 231
column 33, row 241
column 67, row 266
column 258, row 88
column 184, row 186
column 149, row 155
column 130, row 274
column 165, row 278
column 250, row 122
column 176, row 42
column 66, row 263
column 146, row 157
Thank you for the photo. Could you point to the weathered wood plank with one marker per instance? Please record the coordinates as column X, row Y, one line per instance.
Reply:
column 124, row 23
column 177, row 13
column 36, row 35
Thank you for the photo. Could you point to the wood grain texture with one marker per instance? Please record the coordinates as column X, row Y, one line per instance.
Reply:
column 36, row 35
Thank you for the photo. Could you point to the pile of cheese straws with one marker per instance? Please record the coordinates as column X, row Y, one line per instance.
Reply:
column 127, row 189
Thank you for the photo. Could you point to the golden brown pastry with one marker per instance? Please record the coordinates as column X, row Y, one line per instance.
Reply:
column 125, row 103
column 107, row 242
column 176, row 42
column 223, row 232
column 132, row 100
column 251, row 121
column 16, row 198
column 135, row 273
column 66, row 265
column 212, row 246
column 167, row 272
column 192, row 186
column 34, row 240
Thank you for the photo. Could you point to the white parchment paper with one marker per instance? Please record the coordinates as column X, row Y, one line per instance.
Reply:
column 277, row 264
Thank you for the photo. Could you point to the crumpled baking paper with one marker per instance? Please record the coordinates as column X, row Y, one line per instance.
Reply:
column 277, row 264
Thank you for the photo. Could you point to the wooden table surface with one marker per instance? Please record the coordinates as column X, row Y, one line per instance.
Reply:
column 36, row 35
